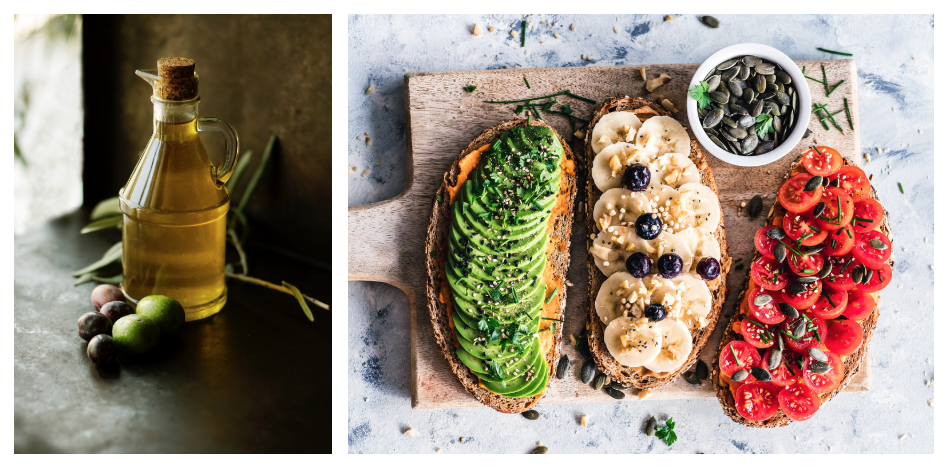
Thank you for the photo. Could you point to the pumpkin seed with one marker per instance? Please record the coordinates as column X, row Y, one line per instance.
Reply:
column 713, row 118
column 757, row 108
column 729, row 122
column 857, row 275
column 819, row 208
column 691, row 378
column 765, row 68
column 775, row 358
column 769, row 86
column 746, row 120
column 776, row 233
column 799, row 330
column 729, row 74
column 755, row 206
column 617, row 394
column 877, row 244
column 782, row 77
column 738, row 133
column 734, row 87
column 824, row 181
column 813, row 183
column 781, row 344
column 819, row 367
column 587, row 371
column 749, row 143
column 751, row 61
column 788, row 310
column 780, row 253
column 762, row 299
column 744, row 72
column 531, row 414
column 761, row 374
column 835, row 183
column 825, row 270
column 805, row 280
column 867, row 276
column 618, row 386
column 562, row 366
column 702, row 370
column 540, row 450
column 650, row 429
column 777, row 124
column 717, row 142
column 816, row 354
column 796, row 288
column 812, row 250
column 727, row 63
column 740, row 375
column 710, row 22
column 764, row 147
column 783, row 98
column 713, row 82
column 583, row 347
column 760, row 84
column 599, row 381
column 719, row 97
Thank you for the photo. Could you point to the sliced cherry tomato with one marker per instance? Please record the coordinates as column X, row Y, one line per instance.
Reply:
column 767, row 312
column 765, row 244
column 827, row 162
column 803, row 228
column 802, row 300
column 880, row 277
column 830, row 304
column 839, row 242
column 787, row 371
column 853, row 180
column 793, row 197
column 806, row 265
column 798, row 402
column 860, row 305
column 844, row 337
column 759, row 335
column 827, row 381
column 840, row 276
column 808, row 339
column 867, row 254
column 839, row 208
column 767, row 273
column 757, row 401
column 737, row 355
column 868, row 215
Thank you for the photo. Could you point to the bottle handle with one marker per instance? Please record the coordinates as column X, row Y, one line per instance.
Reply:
column 231, row 142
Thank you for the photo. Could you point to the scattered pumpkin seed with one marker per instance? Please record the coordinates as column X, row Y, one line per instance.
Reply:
column 691, row 377
column 711, row 22
column 599, row 381
column 583, row 347
column 877, row 244
column 857, row 275
column 812, row 249
column 816, row 354
column 824, row 181
column 702, row 370
column 740, row 375
column 788, row 310
column 775, row 358
column 588, row 370
column 618, row 386
column 807, row 279
column 818, row 367
column 762, row 299
column 825, row 270
column 780, row 253
column 562, row 366
column 761, row 374
column 540, row 450
column 781, row 345
column 813, row 183
column 531, row 414
column 650, row 429
column 799, row 330
column 797, row 288
column 819, row 208
column 755, row 205
column 835, row 183
column 614, row 392
column 776, row 233
column 867, row 276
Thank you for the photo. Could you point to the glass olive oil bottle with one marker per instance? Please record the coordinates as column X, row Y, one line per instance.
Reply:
column 175, row 203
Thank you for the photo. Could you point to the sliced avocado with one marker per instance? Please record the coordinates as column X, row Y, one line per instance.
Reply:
column 537, row 386
column 518, row 381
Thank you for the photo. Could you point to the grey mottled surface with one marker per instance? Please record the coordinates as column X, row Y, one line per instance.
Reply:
column 896, row 69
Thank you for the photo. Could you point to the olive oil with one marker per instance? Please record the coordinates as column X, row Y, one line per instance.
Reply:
column 175, row 209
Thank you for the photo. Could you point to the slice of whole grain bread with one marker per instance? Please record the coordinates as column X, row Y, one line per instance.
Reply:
column 558, row 260
column 851, row 363
column 629, row 376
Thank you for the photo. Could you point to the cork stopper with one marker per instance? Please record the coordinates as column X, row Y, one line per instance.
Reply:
column 178, row 79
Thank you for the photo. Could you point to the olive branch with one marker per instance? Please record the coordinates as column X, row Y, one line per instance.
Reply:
column 107, row 215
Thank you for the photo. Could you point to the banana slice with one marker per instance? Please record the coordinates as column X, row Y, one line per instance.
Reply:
column 611, row 162
column 685, row 298
column 703, row 203
column 614, row 127
column 675, row 347
column 620, row 295
column 613, row 245
column 664, row 134
column 673, row 169
column 633, row 342
column 702, row 243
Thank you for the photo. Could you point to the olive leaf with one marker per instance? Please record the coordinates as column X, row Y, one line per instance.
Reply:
column 89, row 277
column 106, row 208
column 299, row 296
column 111, row 222
column 113, row 254
column 251, row 186
column 242, row 165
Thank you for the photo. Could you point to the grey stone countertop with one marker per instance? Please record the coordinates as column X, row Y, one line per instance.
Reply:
column 895, row 59
column 251, row 379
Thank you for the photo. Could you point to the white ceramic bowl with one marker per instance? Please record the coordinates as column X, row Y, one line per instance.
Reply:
column 798, row 80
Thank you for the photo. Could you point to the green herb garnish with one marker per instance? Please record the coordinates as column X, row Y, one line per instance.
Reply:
column 524, row 27
column 665, row 432
column 700, row 92
column 763, row 125
column 526, row 82
column 847, row 112
column 470, row 88
column 551, row 296
column 834, row 52
column 901, row 187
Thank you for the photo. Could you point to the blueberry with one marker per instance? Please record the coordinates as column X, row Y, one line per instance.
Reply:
column 648, row 227
column 708, row 268
column 636, row 178
column 639, row 264
column 669, row 265
column 655, row 312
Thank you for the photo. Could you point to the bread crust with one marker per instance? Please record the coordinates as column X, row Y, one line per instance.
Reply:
column 851, row 364
column 558, row 252
column 595, row 334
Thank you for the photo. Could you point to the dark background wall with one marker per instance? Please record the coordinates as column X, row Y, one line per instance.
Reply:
column 267, row 74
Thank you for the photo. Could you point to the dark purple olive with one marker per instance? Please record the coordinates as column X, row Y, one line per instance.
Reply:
column 92, row 324
column 655, row 312
column 116, row 309
column 669, row 265
column 639, row 265
column 636, row 178
column 708, row 268
column 101, row 349
column 104, row 294
column 648, row 227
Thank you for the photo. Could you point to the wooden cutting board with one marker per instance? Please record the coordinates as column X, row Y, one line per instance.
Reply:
column 443, row 119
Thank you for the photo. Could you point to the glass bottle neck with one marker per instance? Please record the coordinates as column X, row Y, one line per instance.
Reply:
column 175, row 120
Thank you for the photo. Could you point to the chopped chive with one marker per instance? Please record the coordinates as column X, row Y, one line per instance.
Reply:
column 834, row 52
column 814, row 228
column 524, row 26
column 790, row 335
column 585, row 99
column 832, row 303
column 519, row 101
column 816, row 150
column 554, row 319
column 901, row 187
column 847, row 112
column 551, row 296
column 849, row 234
column 838, row 217
column 535, row 110
column 833, row 89
column 751, row 321
column 795, row 251
column 862, row 219
column 805, row 236
column 812, row 78
column 824, row 76
column 808, row 270
column 734, row 355
column 529, row 85
column 833, row 121
column 821, row 119
column 839, row 231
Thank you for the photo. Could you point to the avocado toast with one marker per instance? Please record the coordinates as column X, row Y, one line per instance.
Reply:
column 497, row 257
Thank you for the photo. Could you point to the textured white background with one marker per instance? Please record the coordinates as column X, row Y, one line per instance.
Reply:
column 895, row 58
